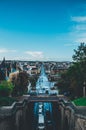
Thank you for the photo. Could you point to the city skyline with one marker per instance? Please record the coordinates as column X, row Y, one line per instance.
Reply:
column 41, row 29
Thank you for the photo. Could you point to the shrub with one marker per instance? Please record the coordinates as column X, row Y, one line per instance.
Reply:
column 7, row 101
column 6, row 88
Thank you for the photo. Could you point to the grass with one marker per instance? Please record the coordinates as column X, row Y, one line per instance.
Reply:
column 80, row 101
column 6, row 101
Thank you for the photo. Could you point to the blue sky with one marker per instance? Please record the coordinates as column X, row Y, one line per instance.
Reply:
column 41, row 29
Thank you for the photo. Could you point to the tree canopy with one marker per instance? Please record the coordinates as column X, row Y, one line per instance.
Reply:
column 20, row 81
column 80, row 53
column 75, row 76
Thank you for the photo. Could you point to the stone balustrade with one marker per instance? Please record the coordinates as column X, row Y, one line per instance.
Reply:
column 16, row 116
column 72, row 117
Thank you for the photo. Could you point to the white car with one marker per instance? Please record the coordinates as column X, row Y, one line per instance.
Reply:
column 40, row 110
column 41, row 122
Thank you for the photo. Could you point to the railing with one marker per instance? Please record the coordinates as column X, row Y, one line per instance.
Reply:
column 10, row 110
column 43, row 98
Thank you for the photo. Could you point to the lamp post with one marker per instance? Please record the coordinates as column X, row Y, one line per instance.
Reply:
column 84, row 85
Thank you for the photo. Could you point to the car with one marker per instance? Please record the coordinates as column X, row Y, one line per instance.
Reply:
column 41, row 122
column 40, row 110
column 48, row 117
column 40, row 105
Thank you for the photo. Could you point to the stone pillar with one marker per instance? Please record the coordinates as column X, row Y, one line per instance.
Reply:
column 62, row 117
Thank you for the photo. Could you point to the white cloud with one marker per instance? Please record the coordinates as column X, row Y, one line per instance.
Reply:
column 80, row 27
column 78, row 32
column 78, row 37
column 35, row 54
column 12, row 50
column 6, row 50
column 78, row 18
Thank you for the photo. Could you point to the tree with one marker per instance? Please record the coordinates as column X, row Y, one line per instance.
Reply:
column 80, row 53
column 20, row 81
column 80, row 58
column 33, row 80
column 75, row 76
column 76, row 79
column 63, row 83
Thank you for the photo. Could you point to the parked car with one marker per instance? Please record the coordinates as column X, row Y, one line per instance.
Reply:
column 41, row 122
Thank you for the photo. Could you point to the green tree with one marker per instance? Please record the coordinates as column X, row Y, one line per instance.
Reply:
column 63, row 83
column 80, row 58
column 80, row 53
column 74, row 78
column 21, row 83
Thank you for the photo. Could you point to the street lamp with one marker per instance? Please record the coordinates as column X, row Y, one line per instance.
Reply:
column 84, row 85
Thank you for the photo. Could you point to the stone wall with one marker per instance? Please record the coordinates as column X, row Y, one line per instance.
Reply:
column 72, row 117
column 14, row 117
column 17, row 116
column 80, row 122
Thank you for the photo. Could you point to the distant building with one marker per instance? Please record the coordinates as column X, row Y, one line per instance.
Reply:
column 7, row 67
